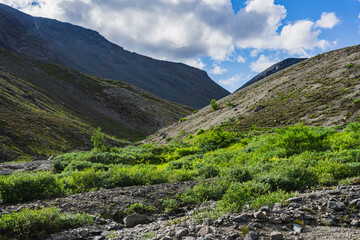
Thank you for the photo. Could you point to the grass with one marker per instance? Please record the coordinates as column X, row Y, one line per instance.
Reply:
column 258, row 165
column 36, row 224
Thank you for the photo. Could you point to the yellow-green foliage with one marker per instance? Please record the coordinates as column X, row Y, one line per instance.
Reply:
column 35, row 224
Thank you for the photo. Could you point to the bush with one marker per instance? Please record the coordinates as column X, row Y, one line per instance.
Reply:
column 239, row 194
column 140, row 208
column 98, row 140
column 214, row 139
column 35, row 224
column 230, row 104
column 214, row 105
column 22, row 187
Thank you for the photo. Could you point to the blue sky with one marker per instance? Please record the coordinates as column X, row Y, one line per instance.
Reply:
column 233, row 40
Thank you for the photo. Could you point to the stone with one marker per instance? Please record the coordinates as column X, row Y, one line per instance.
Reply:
column 286, row 228
column 167, row 238
column 135, row 219
column 338, row 206
column 189, row 238
column 208, row 222
column 204, row 231
column 211, row 236
column 285, row 218
column 259, row 215
column 182, row 232
column 355, row 223
column 276, row 236
column 354, row 202
column 241, row 218
column 335, row 192
column 275, row 220
column 294, row 199
column 278, row 205
column 251, row 236
column 297, row 228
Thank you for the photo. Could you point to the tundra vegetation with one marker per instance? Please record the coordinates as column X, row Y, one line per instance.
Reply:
column 237, row 168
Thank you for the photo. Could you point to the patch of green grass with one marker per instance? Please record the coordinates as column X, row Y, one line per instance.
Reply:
column 35, row 224
column 214, row 105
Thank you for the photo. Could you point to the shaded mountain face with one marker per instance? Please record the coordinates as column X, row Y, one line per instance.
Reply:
column 273, row 69
column 321, row 91
column 47, row 109
column 87, row 51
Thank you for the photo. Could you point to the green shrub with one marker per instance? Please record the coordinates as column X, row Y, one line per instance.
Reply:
column 98, row 140
column 239, row 194
column 35, row 224
column 214, row 105
column 169, row 204
column 230, row 104
column 204, row 191
column 270, row 199
column 214, row 139
column 182, row 119
column 22, row 187
column 140, row 208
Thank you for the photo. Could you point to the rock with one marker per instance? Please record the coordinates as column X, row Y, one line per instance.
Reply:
column 278, row 205
column 338, row 206
column 276, row 236
column 265, row 209
column 275, row 220
column 208, row 222
column 135, row 219
column 294, row 199
column 286, row 228
column 251, row 236
column 354, row 202
column 189, row 238
column 241, row 218
column 204, row 231
column 285, row 218
column 259, row 215
column 335, row 192
column 210, row 236
column 355, row 223
column 182, row 232
column 167, row 238
column 297, row 228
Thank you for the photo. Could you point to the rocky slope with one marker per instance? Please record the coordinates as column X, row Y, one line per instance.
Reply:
column 47, row 109
column 323, row 90
column 87, row 51
column 323, row 214
column 273, row 69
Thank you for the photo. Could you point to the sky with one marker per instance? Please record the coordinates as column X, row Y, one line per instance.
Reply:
column 232, row 40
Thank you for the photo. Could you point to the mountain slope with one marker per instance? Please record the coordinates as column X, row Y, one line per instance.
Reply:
column 87, row 51
column 323, row 90
column 273, row 69
column 47, row 109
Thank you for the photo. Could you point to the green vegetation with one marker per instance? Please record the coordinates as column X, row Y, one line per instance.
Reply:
column 237, row 168
column 230, row 104
column 214, row 105
column 35, row 224
column 182, row 119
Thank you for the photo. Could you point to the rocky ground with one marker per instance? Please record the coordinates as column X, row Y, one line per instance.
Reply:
column 39, row 165
column 321, row 214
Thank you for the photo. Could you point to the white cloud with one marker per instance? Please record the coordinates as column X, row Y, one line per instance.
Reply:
column 327, row 20
column 218, row 70
column 262, row 63
column 195, row 63
column 240, row 59
column 233, row 82
column 183, row 30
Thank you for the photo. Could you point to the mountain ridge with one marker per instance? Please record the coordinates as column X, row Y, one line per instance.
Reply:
column 321, row 91
column 48, row 109
column 87, row 51
column 273, row 69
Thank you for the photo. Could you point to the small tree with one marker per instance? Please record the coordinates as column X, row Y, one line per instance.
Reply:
column 98, row 140
column 214, row 105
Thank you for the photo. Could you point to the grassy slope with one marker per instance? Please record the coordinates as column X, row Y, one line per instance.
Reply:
column 47, row 109
column 322, row 91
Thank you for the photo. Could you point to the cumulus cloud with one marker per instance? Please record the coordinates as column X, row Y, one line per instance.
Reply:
column 218, row 70
column 233, row 82
column 327, row 20
column 262, row 63
column 240, row 59
column 196, row 63
column 184, row 30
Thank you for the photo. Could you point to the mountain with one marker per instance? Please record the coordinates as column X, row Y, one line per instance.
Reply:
column 48, row 109
column 87, row 51
column 273, row 69
column 323, row 90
